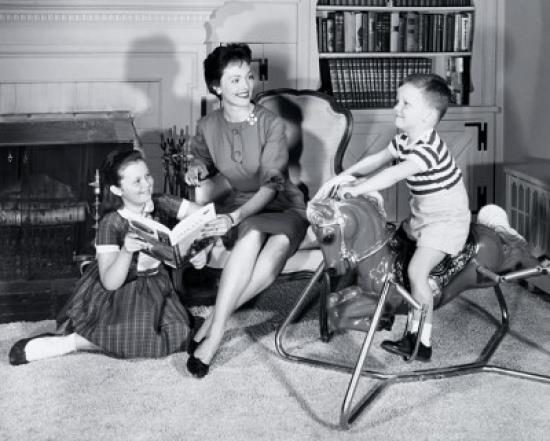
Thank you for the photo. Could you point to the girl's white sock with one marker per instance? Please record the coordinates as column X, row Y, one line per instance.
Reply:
column 46, row 347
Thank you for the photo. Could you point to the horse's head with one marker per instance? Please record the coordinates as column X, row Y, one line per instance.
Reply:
column 347, row 230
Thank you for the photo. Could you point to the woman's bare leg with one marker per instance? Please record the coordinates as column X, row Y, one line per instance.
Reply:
column 268, row 266
column 235, row 277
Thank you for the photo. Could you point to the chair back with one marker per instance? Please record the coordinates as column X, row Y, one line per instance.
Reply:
column 318, row 132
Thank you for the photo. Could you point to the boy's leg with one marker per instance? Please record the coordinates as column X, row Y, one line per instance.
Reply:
column 422, row 262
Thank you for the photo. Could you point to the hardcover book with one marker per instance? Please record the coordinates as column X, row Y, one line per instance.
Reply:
column 173, row 246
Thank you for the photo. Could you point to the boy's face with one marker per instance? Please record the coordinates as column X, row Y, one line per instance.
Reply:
column 413, row 113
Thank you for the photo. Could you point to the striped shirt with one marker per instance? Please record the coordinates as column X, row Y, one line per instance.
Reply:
column 439, row 170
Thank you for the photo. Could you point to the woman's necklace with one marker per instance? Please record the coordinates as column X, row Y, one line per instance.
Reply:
column 250, row 118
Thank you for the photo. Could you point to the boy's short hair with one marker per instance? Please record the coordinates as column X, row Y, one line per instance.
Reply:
column 434, row 88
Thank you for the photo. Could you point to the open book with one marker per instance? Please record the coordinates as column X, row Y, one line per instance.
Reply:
column 173, row 246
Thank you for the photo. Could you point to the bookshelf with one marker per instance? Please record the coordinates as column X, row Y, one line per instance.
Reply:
column 367, row 47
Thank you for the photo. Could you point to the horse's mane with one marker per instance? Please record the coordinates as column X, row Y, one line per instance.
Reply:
column 375, row 199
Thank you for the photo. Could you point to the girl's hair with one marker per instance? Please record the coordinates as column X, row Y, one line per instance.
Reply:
column 216, row 62
column 434, row 88
column 110, row 174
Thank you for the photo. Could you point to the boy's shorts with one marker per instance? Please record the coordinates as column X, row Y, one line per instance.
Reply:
column 440, row 220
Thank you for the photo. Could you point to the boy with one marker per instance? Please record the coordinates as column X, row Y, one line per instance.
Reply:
column 440, row 218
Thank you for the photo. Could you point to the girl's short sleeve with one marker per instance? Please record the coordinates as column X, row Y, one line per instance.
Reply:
column 274, row 158
column 111, row 232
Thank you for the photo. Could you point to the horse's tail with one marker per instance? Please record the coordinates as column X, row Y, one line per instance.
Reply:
column 495, row 217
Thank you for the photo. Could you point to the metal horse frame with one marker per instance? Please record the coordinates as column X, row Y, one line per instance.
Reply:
column 349, row 411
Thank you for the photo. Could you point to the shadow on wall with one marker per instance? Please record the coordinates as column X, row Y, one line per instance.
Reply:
column 159, row 93
column 229, row 19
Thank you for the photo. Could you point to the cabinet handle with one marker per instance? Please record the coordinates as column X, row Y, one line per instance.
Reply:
column 481, row 134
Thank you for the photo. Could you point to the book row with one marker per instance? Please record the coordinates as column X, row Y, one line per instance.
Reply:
column 359, row 83
column 397, row 3
column 374, row 31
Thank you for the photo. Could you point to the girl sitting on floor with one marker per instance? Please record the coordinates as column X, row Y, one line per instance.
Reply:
column 124, row 305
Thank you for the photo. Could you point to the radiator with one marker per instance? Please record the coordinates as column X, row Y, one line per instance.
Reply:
column 528, row 204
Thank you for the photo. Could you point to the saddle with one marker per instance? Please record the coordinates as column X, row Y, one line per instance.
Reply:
column 443, row 272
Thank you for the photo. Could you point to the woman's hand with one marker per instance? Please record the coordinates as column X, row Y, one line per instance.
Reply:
column 219, row 226
column 195, row 172
column 330, row 187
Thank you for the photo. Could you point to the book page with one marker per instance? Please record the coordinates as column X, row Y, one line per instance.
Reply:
column 189, row 228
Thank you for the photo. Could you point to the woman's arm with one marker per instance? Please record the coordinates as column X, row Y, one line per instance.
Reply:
column 254, row 205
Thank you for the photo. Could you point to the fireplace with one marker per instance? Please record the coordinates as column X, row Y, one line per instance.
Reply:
column 48, row 173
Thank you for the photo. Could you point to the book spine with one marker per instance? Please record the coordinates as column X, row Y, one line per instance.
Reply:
column 411, row 39
column 358, row 32
column 55, row 216
column 394, row 32
column 349, row 31
column 330, row 32
column 339, row 32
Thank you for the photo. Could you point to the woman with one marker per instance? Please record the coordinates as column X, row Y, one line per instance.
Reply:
column 246, row 143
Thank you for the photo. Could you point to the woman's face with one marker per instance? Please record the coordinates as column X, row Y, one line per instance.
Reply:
column 136, row 185
column 236, row 84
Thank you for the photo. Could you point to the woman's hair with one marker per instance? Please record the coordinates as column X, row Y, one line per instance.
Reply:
column 434, row 88
column 110, row 174
column 216, row 62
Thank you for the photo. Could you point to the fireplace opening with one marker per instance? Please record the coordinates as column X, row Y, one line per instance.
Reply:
column 48, row 169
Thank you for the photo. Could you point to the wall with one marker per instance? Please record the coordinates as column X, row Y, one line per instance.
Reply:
column 525, row 80
column 137, row 55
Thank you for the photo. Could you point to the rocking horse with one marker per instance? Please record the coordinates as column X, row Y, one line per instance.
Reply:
column 356, row 240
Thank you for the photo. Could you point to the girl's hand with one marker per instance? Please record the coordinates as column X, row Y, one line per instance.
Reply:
column 195, row 173
column 200, row 259
column 330, row 188
column 133, row 243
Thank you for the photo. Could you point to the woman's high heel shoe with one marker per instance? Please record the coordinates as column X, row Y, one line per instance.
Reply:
column 196, row 367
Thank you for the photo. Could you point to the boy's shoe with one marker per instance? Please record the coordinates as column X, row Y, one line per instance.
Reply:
column 405, row 347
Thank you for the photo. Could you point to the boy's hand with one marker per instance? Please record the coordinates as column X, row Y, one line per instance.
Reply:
column 347, row 192
column 330, row 187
